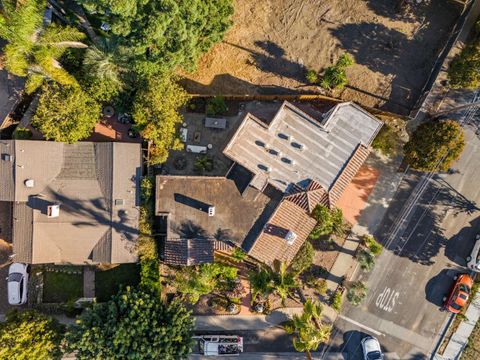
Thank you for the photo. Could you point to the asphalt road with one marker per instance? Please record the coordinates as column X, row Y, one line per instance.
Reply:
column 416, row 269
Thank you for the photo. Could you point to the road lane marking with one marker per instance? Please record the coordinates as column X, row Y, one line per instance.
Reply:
column 387, row 299
column 378, row 333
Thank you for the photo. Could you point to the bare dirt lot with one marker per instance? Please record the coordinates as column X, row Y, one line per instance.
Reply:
column 273, row 42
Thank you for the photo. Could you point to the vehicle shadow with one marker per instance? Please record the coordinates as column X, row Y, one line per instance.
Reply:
column 461, row 244
column 439, row 286
column 352, row 344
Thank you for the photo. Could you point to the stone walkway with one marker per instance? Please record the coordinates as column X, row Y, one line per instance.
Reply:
column 88, row 282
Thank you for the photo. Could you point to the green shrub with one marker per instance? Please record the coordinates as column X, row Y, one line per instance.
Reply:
column 374, row 246
column 337, row 301
column 356, row 293
column 311, row 76
column 203, row 163
column 328, row 222
column 320, row 286
column 335, row 76
column 366, row 260
column 238, row 254
column 385, row 140
column 216, row 106
column 464, row 71
column 22, row 133
column 303, row 259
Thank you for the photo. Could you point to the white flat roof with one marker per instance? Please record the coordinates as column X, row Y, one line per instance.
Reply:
column 294, row 147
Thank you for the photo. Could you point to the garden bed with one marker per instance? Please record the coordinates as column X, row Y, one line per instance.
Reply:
column 62, row 284
column 109, row 282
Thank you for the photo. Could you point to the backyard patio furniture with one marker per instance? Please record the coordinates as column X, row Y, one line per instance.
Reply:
column 215, row 123
column 197, row 149
column 183, row 134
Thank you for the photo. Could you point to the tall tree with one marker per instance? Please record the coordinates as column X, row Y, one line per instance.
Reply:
column 435, row 146
column 30, row 335
column 309, row 331
column 164, row 33
column 105, row 68
column 283, row 280
column 65, row 114
column 156, row 117
column 132, row 325
column 33, row 51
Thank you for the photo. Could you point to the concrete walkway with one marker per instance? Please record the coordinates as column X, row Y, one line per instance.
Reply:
column 245, row 322
column 459, row 339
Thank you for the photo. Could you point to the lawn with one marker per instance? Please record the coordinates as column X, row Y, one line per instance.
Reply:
column 108, row 282
column 62, row 286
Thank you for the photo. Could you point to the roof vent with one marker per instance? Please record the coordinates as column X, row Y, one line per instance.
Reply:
column 290, row 237
column 8, row 157
column 29, row 183
column 119, row 202
column 287, row 161
column 211, row 210
column 273, row 152
column 53, row 211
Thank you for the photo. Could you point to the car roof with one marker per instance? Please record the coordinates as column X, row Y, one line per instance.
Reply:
column 371, row 344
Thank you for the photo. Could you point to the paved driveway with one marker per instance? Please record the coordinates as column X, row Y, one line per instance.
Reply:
column 417, row 268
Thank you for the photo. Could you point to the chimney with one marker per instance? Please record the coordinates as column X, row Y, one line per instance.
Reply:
column 211, row 210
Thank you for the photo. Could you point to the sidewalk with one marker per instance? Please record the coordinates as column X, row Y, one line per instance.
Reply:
column 245, row 322
column 459, row 339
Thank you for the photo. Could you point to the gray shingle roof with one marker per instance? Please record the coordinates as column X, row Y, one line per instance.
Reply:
column 86, row 179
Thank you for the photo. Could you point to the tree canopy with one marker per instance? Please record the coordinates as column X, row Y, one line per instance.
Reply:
column 33, row 51
column 132, row 325
column 30, row 335
column 434, row 146
column 308, row 335
column 164, row 34
column 65, row 113
column 156, row 117
column 195, row 281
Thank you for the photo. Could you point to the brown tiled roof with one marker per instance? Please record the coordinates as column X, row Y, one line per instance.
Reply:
column 189, row 251
column 271, row 245
column 309, row 197
column 348, row 172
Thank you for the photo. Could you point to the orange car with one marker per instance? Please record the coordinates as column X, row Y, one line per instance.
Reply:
column 459, row 294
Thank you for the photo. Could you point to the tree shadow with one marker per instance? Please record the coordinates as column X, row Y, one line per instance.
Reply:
column 407, row 57
column 228, row 85
column 189, row 230
column 393, row 9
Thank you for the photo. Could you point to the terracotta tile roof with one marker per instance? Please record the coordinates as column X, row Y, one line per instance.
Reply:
column 271, row 245
column 189, row 252
column 348, row 172
column 309, row 197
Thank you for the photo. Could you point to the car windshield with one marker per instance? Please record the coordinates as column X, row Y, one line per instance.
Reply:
column 15, row 277
column 456, row 306
column 465, row 288
column 374, row 355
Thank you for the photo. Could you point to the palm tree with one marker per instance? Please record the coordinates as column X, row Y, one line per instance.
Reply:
column 283, row 281
column 106, row 64
column 309, row 331
column 260, row 283
column 33, row 51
